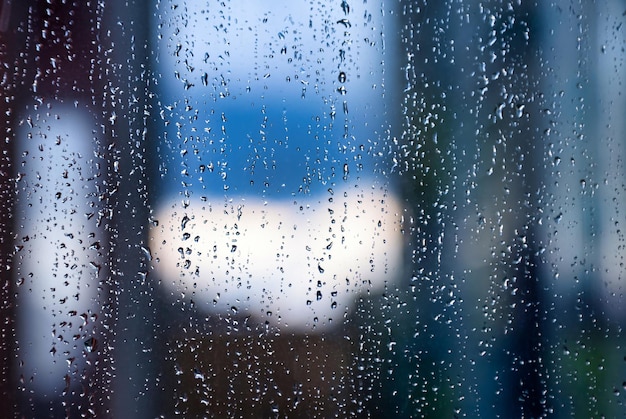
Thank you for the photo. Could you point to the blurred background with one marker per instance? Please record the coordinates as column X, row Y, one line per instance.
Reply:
column 492, row 131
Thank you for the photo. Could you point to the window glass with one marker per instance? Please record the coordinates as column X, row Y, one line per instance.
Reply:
column 312, row 208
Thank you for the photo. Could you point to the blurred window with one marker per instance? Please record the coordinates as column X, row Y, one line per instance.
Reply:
column 312, row 209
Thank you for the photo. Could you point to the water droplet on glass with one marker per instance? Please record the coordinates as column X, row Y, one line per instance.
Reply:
column 345, row 7
column 345, row 22
column 91, row 344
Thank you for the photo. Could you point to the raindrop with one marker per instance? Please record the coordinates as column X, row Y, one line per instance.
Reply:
column 345, row 22
column 345, row 7
column 91, row 344
column 198, row 375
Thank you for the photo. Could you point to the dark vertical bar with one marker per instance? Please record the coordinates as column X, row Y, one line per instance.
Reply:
column 529, row 340
column 7, row 313
column 135, row 351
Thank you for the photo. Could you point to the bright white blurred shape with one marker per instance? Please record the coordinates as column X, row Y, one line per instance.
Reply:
column 298, row 266
column 58, row 262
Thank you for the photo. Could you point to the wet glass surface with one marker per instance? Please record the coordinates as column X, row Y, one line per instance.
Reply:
column 312, row 209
